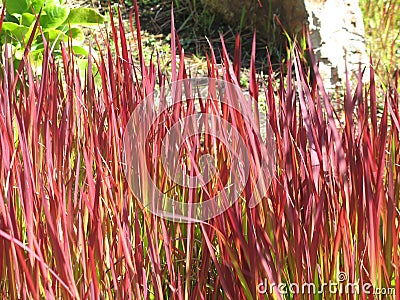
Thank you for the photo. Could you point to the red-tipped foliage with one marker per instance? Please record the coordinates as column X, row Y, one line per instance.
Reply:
column 71, row 228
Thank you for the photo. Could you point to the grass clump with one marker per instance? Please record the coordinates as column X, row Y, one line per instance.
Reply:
column 70, row 227
column 382, row 28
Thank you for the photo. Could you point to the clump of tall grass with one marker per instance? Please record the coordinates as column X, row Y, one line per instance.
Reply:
column 382, row 26
column 71, row 228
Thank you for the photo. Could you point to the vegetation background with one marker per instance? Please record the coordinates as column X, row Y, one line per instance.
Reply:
column 70, row 227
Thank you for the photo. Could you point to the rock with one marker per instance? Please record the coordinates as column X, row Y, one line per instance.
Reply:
column 336, row 27
column 337, row 35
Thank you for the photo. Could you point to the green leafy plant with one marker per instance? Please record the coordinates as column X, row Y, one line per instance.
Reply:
column 57, row 23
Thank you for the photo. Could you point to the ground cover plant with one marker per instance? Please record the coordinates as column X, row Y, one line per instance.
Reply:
column 58, row 22
column 70, row 226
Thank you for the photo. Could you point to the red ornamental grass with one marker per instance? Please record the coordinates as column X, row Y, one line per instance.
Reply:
column 71, row 227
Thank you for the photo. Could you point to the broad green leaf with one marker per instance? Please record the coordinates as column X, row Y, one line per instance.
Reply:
column 53, row 2
column 85, row 16
column 53, row 16
column 18, row 31
column 9, row 26
column 38, row 45
column 76, row 34
column 37, row 4
column 10, row 18
column 27, row 19
column 36, row 55
column 84, row 50
column 55, row 35
column 80, row 50
column 17, row 6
